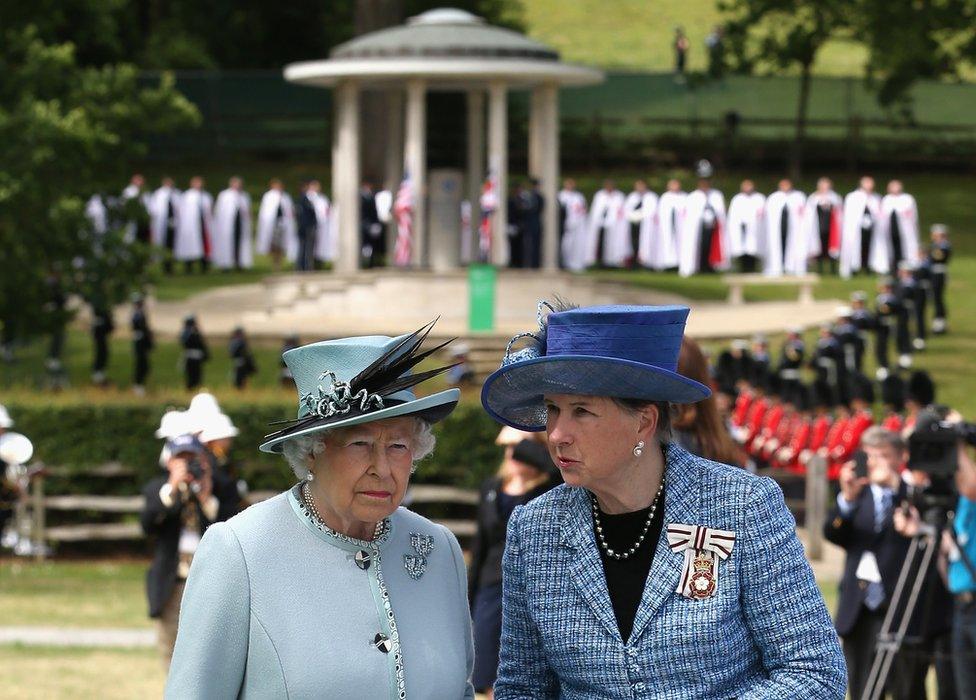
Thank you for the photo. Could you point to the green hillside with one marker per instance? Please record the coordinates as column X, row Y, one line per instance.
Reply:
column 637, row 34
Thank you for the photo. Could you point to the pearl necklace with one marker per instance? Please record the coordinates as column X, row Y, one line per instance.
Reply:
column 378, row 532
column 647, row 526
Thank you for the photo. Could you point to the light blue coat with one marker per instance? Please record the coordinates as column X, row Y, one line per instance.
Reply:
column 764, row 634
column 277, row 608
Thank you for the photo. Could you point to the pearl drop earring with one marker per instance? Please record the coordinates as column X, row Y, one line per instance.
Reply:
column 310, row 476
column 639, row 450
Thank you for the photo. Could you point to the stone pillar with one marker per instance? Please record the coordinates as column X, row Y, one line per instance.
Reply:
column 498, row 163
column 393, row 165
column 476, row 161
column 548, row 173
column 415, row 161
column 537, row 137
column 345, row 174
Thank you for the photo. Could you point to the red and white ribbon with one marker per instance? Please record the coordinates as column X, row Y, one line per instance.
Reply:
column 703, row 548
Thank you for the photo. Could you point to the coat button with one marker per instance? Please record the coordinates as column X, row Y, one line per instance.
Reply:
column 363, row 559
column 382, row 642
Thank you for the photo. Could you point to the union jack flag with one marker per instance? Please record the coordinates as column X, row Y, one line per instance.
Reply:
column 489, row 204
column 403, row 212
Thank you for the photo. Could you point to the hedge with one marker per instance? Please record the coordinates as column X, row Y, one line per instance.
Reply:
column 79, row 436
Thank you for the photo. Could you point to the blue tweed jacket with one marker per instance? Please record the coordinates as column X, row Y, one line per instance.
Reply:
column 764, row 634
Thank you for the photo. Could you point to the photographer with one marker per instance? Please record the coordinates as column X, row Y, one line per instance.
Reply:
column 861, row 523
column 179, row 507
column 959, row 561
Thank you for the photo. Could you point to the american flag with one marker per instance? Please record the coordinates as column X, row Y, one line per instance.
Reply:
column 403, row 211
column 489, row 203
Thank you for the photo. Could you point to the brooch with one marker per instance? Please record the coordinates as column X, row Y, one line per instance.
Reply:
column 703, row 547
column 416, row 564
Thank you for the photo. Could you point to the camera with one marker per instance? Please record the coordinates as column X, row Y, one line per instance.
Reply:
column 195, row 467
column 932, row 445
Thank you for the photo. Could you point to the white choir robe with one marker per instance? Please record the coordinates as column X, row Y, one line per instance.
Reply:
column 159, row 212
column 574, row 230
column 267, row 219
column 325, row 246
column 196, row 208
column 607, row 211
column 855, row 204
column 132, row 192
column 745, row 224
column 904, row 207
column 646, row 216
column 97, row 214
column 792, row 261
column 691, row 232
column 670, row 219
column 811, row 222
column 229, row 203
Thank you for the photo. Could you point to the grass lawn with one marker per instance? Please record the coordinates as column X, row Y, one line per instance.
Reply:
column 50, row 673
column 638, row 35
column 73, row 594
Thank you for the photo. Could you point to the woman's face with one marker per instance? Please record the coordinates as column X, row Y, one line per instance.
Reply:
column 363, row 472
column 591, row 439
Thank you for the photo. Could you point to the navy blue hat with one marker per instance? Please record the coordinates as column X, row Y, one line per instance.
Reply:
column 627, row 352
column 185, row 443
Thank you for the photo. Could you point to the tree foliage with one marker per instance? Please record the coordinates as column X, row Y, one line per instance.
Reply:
column 227, row 34
column 68, row 132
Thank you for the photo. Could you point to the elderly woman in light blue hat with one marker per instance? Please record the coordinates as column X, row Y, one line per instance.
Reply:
column 331, row 590
column 651, row 573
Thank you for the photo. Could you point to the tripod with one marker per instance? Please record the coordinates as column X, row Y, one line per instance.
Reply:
column 904, row 600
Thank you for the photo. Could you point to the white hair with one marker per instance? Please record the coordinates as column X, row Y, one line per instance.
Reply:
column 299, row 450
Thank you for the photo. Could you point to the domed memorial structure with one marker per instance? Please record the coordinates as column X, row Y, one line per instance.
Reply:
column 445, row 49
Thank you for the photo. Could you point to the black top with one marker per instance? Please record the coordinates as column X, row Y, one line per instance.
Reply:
column 494, row 509
column 627, row 578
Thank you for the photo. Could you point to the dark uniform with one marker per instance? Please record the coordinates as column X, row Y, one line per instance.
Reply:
column 242, row 360
column 195, row 353
column 531, row 204
column 102, row 327
column 888, row 310
column 142, row 344
column 907, row 292
column 864, row 321
column 308, row 226
column 827, row 363
column 371, row 230
column 923, row 288
column 790, row 363
column 851, row 344
column 939, row 254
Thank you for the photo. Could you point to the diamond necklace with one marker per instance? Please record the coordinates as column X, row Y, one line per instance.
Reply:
column 647, row 526
column 310, row 504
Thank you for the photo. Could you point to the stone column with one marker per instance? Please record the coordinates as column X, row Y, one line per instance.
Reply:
column 393, row 165
column 549, row 173
column 537, row 137
column 498, row 163
column 476, row 161
column 415, row 161
column 345, row 174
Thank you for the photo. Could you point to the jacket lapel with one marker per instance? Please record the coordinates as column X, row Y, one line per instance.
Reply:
column 585, row 566
column 681, row 505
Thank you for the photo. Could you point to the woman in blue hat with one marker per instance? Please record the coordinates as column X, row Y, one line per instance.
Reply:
column 331, row 590
column 651, row 573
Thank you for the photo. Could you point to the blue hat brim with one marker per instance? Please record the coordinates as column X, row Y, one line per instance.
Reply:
column 431, row 408
column 513, row 395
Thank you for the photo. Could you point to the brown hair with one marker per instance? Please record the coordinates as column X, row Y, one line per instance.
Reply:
column 702, row 420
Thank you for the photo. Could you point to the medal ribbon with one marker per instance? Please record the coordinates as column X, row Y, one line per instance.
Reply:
column 696, row 541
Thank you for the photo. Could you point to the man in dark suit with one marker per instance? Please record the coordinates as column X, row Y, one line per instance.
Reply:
column 861, row 523
column 178, row 508
column 371, row 228
column 308, row 226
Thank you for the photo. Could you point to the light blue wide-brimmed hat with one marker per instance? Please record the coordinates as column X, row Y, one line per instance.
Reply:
column 627, row 352
column 360, row 380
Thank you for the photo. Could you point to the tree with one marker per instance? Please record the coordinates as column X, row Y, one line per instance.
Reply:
column 780, row 35
column 68, row 132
